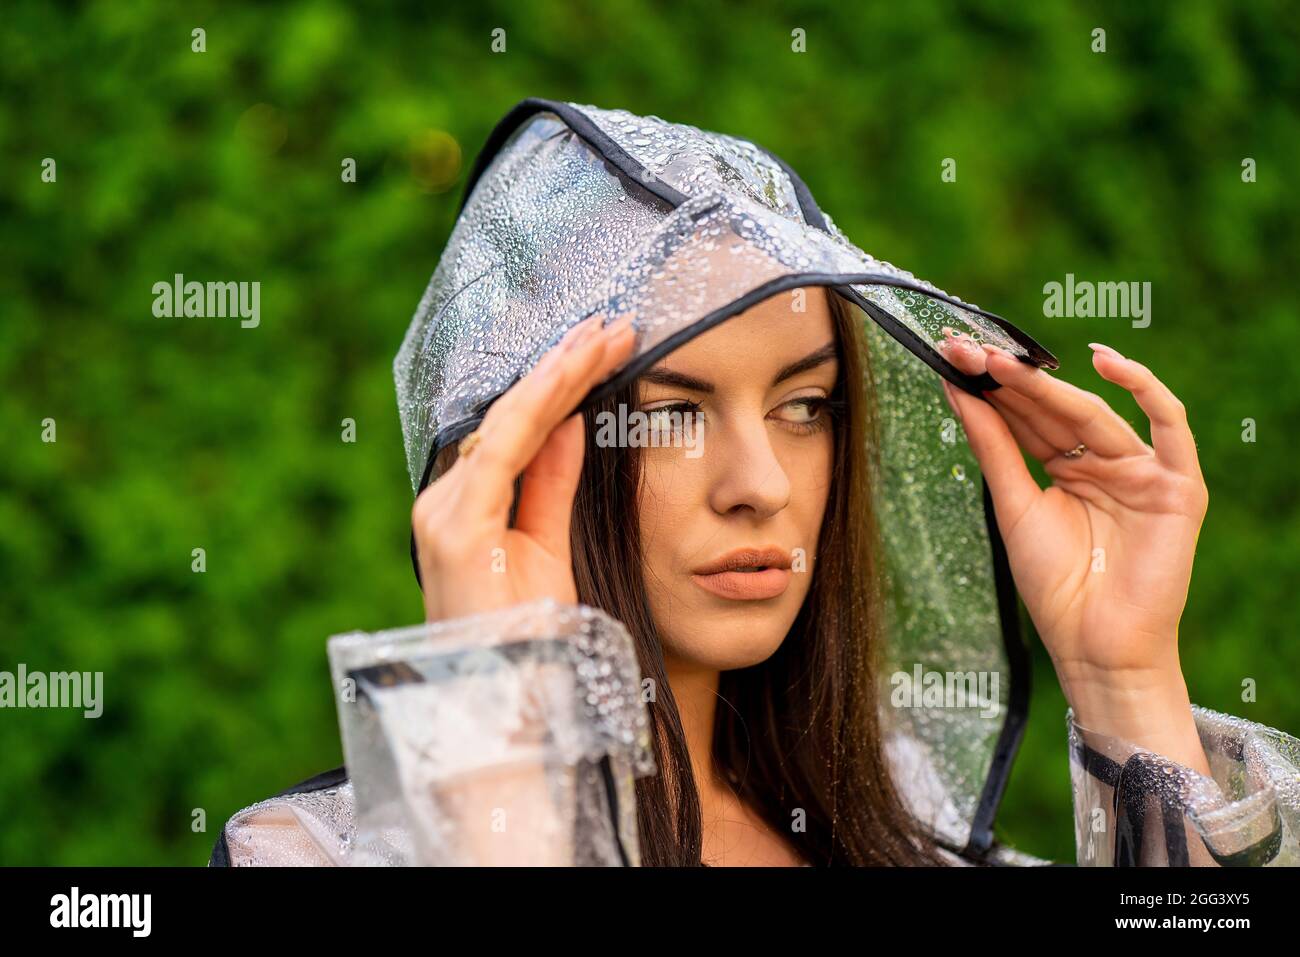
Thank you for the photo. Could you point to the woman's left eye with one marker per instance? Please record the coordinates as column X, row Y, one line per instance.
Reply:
column 806, row 414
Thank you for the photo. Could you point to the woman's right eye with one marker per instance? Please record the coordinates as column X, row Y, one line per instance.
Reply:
column 672, row 418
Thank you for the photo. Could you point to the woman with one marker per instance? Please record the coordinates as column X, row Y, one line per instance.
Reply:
column 727, row 498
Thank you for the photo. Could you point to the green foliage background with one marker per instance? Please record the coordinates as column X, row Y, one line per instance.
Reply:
column 177, row 434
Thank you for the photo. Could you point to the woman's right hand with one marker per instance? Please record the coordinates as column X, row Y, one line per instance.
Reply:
column 471, row 560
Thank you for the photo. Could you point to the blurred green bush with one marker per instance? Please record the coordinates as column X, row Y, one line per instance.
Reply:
column 179, row 434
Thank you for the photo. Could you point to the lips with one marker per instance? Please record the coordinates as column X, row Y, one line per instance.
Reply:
column 746, row 574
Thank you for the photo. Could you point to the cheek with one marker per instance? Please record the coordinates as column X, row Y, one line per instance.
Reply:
column 667, row 499
column 810, row 468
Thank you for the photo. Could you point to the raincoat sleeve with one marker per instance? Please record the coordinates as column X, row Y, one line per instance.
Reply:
column 308, row 826
column 507, row 738
column 1136, row 808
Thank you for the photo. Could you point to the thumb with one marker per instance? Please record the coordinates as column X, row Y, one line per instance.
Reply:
column 550, row 483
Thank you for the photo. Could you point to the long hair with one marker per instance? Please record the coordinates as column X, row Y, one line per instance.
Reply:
column 799, row 735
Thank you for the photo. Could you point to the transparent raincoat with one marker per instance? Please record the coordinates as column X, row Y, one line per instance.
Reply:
column 535, row 714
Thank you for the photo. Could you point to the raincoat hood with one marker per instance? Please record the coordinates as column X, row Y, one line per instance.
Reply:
column 571, row 210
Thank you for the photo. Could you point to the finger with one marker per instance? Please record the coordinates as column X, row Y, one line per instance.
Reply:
column 1089, row 467
column 1170, row 434
column 1013, row 489
column 1058, row 433
column 520, row 422
column 1023, row 416
column 550, row 391
column 1086, row 415
column 1028, row 434
column 962, row 351
column 549, row 485
column 525, row 390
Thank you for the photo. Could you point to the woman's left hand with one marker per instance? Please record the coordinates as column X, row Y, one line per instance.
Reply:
column 1103, row 556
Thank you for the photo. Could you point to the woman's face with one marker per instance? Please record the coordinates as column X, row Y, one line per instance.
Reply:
column 731, row 502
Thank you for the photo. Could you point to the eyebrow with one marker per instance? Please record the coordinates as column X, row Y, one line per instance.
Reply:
column 811, row 361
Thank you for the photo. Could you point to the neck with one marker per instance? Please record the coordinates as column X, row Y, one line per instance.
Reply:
column 731, row 833
column 696, row 691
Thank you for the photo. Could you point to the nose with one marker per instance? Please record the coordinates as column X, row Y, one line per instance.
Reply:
column 747, row 473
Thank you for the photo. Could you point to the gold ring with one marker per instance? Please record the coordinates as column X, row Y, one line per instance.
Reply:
column 468, row 443
column 1076, row 452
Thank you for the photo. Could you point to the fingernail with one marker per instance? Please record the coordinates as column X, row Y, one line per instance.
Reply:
column 1099, row 347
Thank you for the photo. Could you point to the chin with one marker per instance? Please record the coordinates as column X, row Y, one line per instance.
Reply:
column 727, row 639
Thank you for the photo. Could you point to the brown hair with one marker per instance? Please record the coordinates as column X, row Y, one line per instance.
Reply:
column 801, row 730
